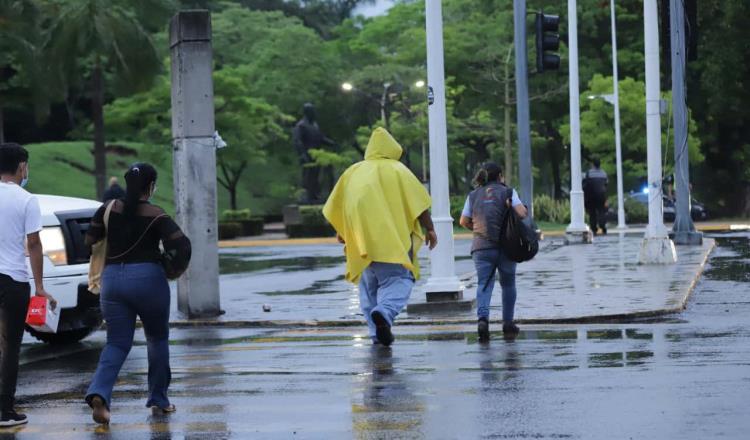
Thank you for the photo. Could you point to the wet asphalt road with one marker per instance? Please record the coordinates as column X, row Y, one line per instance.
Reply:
column 682, row 377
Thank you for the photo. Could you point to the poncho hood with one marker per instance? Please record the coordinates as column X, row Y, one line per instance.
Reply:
column 383, row 146
column 375, row 207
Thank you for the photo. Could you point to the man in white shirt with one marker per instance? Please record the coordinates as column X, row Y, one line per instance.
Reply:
column 22, row 220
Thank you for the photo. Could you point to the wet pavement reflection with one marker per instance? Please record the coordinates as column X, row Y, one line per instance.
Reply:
column 685, row 376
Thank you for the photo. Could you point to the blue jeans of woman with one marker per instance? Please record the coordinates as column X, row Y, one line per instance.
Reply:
column 130, row 290
column 487, row 263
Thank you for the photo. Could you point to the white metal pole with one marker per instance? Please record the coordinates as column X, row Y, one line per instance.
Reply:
column 577, row 231
column 443, row 277
column 657, row 248
column 618, row 144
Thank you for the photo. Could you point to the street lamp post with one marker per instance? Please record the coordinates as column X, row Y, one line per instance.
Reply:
column 577, row 231
column 443, row 282
column 656, row 248
column 618, row 146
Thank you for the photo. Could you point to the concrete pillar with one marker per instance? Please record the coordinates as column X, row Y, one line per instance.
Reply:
column 683, row 230
column 577, row 231
column 194, row 159
column 443, row 282
column 656, row 248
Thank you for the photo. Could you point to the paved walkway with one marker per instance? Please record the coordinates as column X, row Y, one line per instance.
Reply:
column 303, row 284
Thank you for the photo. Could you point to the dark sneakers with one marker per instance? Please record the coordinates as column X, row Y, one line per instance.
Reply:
column 483, row 330
column 12, row 418
column 382, row 329
column 511, row 329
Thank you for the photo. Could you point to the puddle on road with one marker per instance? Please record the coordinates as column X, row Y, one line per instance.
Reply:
column 245, row 263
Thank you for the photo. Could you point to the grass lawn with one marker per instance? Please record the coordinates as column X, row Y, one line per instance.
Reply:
column 67, row 169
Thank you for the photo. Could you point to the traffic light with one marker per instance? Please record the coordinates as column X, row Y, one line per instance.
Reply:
column 547, row 39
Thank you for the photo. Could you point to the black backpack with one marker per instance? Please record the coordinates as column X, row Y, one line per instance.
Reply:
column 518, row 237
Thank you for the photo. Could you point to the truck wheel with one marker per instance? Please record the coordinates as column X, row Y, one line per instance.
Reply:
column 61, row 338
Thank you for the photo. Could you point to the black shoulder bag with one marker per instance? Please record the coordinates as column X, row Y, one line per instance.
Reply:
column 518, row 237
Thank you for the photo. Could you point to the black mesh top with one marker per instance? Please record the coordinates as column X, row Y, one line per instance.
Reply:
column 123, row 234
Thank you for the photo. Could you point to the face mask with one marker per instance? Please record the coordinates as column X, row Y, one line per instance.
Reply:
column 25, row 180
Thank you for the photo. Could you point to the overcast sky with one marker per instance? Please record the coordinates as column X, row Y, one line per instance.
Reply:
column 373, row 9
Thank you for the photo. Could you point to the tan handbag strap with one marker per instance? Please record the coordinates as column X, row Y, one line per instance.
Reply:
column 139, row 239
column 107, row 212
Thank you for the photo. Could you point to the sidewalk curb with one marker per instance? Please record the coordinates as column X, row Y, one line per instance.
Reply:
column 444, row 320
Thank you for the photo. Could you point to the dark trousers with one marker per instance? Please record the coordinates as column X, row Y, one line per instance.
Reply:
column 130, row 290
column 597, row 216
column 14, row 303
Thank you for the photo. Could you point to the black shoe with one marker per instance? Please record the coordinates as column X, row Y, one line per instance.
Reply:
column 382, row 329
column 511, row 329
column 604, row 231
column 12, row 418
column 483, row 329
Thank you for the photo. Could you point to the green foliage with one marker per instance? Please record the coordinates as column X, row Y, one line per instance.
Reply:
column 457, row 205
column 597, row 129
column 547, row 209
column 635, row 212
column 236, row 215
column 312, row 215
column 229, row 230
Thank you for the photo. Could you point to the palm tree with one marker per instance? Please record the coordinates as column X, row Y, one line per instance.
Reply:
column 107, row 40
column 22, row 74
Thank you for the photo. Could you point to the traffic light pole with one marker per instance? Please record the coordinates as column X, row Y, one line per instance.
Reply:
column 577, row 231
column 526, row 180
column 683, row 230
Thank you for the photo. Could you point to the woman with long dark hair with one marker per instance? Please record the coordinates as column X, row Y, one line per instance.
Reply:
column 483, row 214
column 134, row 283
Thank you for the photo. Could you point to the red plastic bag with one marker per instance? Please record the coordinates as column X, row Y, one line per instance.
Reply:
column 41, row 316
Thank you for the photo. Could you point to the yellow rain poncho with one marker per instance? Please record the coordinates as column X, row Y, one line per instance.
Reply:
column 375, row 207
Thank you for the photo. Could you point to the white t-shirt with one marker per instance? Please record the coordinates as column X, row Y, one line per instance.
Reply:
column 466, row 212
column 19, row 216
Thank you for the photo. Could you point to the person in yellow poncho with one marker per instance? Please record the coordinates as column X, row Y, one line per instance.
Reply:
column 378, row 208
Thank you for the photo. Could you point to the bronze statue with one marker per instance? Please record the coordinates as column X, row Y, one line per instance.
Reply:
column 306, row 136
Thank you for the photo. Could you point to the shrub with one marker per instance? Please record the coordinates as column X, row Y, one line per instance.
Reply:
column 457, row 205
column 312, row 215
column 547, row 209
column 229, row 230
column 238, row 215
column 635, row 212
column 313, row 224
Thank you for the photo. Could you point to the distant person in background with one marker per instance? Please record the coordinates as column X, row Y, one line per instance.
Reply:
column 21, row 218
column 595, row 184
column 379, row 209
column 114, row 191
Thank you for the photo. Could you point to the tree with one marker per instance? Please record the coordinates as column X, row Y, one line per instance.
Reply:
column 597, row 129
column 24, row 76
column 250, row 126
column 107, row 40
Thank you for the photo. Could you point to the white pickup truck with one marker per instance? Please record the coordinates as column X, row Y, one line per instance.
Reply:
column 66, row 267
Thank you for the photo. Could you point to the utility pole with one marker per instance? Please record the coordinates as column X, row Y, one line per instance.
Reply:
column 194, row 159
column 683, row 230
column 656, row 248
column 525, row 177
column 621, row 226
column 577, row 231
column 443, row 283
column 508, row 146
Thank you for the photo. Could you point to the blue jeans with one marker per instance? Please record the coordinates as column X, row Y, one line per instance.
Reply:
column 487, row 262
column 129, row 290
column 385, row 288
